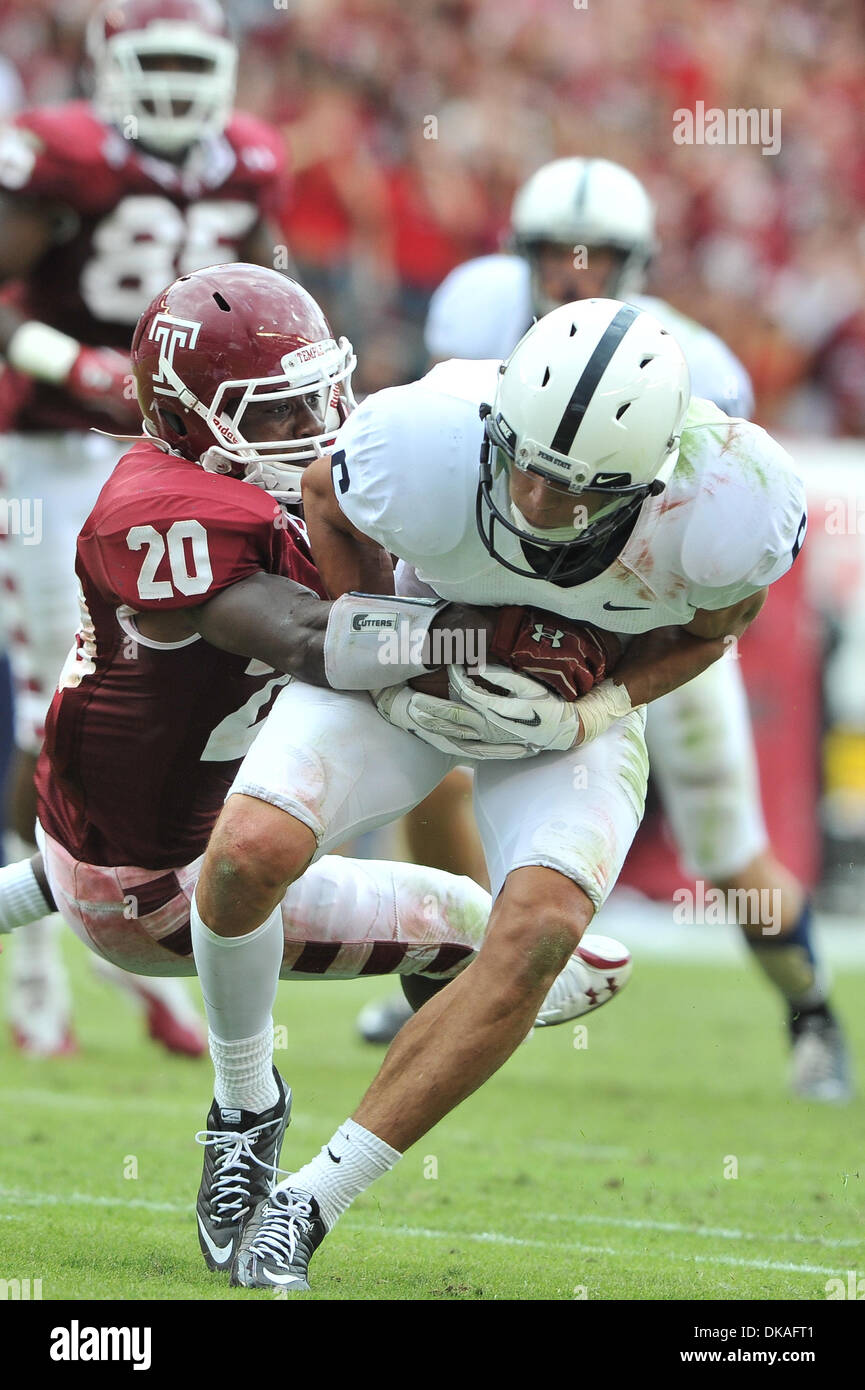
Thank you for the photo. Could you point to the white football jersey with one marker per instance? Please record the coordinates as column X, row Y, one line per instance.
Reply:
column 730, row 521
column 484, row 307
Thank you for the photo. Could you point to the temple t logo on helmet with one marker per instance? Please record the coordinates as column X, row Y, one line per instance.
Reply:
column 170, row 334
column 237, row 369
column 592, row 402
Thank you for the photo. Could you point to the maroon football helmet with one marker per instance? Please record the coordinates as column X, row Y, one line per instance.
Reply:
column 229, row 337
column 164, row 71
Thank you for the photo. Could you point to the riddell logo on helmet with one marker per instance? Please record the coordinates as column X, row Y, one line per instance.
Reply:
column 171, row 333
column 228, row 435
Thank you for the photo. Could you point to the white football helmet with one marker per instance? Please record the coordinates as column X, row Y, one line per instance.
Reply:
column 586, row 202
column 592, row 399
column 164, row 71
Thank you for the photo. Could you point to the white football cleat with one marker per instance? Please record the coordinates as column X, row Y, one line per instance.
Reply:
column 599, row 968
column 820, row 1063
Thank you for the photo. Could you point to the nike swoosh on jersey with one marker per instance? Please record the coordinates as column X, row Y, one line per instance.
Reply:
column 626, row 607
column 532, row 723
column 221, row 1253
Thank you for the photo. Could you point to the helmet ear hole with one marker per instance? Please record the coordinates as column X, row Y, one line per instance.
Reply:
column 172, row 421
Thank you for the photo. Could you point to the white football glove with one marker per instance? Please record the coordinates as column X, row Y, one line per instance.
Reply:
column 528, row 712
column 450, row 727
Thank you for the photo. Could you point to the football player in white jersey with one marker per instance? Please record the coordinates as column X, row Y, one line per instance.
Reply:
column 584, row 227
column 601, row 495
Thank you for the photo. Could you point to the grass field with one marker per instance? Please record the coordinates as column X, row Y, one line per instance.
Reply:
column 596, row 1171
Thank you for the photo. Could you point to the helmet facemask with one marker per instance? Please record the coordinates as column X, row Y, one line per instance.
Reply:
column 624, row 279
column 500, row 454
column 320, row 373
column 166, row 110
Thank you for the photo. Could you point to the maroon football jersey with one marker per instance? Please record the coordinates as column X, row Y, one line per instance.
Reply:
column 143, row 741
column 128, row 224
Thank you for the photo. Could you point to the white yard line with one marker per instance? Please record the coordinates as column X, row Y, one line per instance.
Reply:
column 75, row 1100
column 706, row 1232
column 53, row 1199
column 496, row 1238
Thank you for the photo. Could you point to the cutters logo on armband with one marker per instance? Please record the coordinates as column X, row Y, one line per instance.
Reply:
column 374, row 622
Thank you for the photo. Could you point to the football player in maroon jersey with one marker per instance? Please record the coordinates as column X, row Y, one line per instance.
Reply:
column 102, row 203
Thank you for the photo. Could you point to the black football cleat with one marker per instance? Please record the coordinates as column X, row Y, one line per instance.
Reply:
column 240, row 1163
column 379, row 1022
column 278, row 1242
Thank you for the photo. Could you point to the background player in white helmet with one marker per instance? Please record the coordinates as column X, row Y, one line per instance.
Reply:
column 582, row 227
column 603, row 497
column 101, row 204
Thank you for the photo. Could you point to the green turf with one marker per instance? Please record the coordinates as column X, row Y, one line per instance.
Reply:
column 599, row 1169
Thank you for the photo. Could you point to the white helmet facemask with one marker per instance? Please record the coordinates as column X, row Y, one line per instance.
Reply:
column 321, row 374
column 167, row 111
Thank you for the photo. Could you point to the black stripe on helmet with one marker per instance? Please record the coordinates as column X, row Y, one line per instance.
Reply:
column 583, row 187
column 591, row 375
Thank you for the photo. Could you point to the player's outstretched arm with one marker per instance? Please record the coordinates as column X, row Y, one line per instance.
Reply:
column 270, row 618
column 348, row 644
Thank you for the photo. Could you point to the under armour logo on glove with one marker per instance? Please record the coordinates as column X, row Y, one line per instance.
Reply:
column 552, row 635
column 527, row 638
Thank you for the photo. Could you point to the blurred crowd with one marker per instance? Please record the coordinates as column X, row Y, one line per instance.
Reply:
column 409, row 127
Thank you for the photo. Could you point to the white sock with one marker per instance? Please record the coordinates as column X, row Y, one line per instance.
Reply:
column 346, row 1166
column 21, row 898
column 238, row 977
column 39, row 1002
column 243, row 1071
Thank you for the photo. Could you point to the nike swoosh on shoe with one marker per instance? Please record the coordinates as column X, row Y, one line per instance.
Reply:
column 220, row 1253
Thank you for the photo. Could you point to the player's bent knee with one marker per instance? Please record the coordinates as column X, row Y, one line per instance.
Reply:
column 257, row 844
